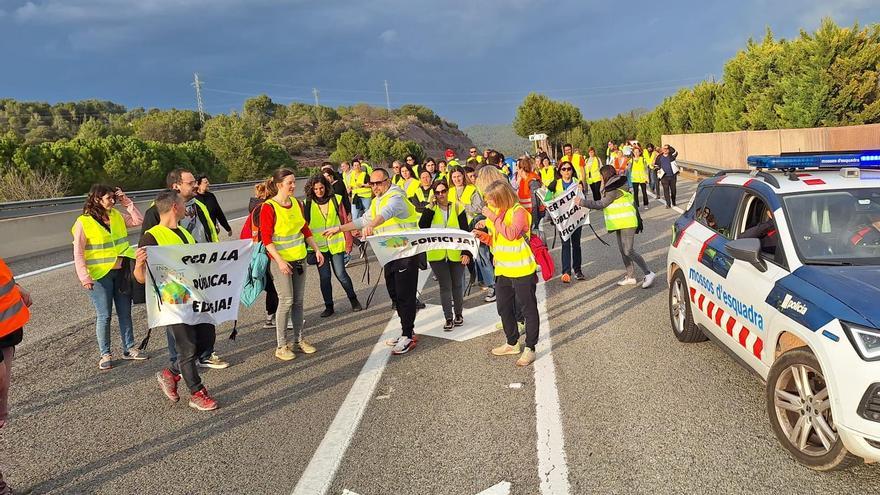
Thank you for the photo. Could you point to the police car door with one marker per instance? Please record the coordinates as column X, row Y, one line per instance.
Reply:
column 709, row 263
column 749, row 285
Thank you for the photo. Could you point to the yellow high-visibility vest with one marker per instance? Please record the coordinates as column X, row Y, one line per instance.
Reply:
column 318, row 223
column 166, row 237
column 394, row 224
column 639, row 167
column 103, row 247
column 359, row 186
column 287, row 236
column 621, row 214
column 548, row 175
column 513, row 259
column 450, row 221
column 593, row 166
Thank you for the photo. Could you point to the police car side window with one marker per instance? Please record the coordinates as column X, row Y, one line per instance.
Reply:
column 720, row 209
column 699, row 201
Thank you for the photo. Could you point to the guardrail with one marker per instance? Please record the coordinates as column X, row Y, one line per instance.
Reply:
column 700, row 170
column 31, row 204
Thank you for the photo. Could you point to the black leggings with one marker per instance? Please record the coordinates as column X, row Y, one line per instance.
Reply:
column 644, row 187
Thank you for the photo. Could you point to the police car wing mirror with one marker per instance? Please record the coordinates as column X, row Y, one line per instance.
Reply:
column 748, row 250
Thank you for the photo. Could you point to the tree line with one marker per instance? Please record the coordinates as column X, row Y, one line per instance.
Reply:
column 827, row 78
column 73, row 145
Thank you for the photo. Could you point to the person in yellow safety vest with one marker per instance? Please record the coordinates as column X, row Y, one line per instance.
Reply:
column 571, row 248
column 474, row 155
column 366, row 167
column 651, row 158
column 198, row 222
column 451, row 160
column 464, row 194
column 622, row 218
column 409, row 182
column 594, row 178
column 391, row 213
column 285, row 233
column 448, row 264
column 516, row 278
column 639, row 176
column 612, row 154
column 395, row 177
column 547, row 172
column 577, row 161
column 360, row 190
column 442, row 172
column 101, row 255
column 189, row 341
column 14, row 314
column 322, row 211
column 411, row 162
column 423, row 193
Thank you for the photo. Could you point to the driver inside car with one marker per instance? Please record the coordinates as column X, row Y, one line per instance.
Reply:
column 765, row 232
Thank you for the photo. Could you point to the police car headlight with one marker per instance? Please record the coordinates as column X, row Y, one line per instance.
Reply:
column 865, row 340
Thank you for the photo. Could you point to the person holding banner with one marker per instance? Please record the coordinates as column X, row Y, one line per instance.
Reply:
column 322, row 210
column 447, row 264
column 101, row 255
column 571, row 247
column 389, row 213
column 515, row 269
column 190, row 341
column 622, row 218
column 285, row 233
column 198, row 222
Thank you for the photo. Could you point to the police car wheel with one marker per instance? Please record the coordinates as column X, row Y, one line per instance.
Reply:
column 680, row 314
column 800, row 412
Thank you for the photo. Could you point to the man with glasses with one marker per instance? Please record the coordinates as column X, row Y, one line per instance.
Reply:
column 197, row 221
column 474, row 155
column 391, row 212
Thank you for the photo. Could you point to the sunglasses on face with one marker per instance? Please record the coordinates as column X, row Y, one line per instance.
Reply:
column 564, row 169
column 377, row 183
column 440, row 191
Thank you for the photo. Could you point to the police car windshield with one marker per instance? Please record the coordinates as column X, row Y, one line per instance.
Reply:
column 836, row 227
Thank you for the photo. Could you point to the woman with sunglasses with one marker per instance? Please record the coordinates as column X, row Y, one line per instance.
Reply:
column 101, row 255
column 447, row 264
column 571, row 249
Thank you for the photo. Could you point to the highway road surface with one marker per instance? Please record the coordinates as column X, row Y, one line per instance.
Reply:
column 614, row 404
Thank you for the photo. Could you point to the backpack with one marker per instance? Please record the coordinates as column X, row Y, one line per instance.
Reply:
column 255, row 279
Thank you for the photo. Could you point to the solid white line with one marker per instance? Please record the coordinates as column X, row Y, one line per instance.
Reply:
column 68, row 263
column 319, row 474
column 552, row 462
column 502, row 488
column 661, row 200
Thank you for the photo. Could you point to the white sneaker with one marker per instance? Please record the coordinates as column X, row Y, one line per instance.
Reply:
column 404, row 344
column 627, row 281
column 649, row 280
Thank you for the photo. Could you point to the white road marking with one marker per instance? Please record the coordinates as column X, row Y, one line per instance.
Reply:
column 502, row 488
column 69, row 263
column 552, row 462
column 319, row 474
column 661, row 200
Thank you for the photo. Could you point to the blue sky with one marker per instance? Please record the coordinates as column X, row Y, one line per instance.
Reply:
column 472, row 61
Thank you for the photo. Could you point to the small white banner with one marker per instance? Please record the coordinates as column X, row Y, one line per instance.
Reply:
column 537, row 137
column 388, row 247
column 196, row 283
column 564, row 211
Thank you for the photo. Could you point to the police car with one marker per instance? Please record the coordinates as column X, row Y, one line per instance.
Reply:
column 780, row 266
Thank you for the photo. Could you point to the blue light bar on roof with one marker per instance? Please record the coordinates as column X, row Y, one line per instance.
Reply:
column 862, row 159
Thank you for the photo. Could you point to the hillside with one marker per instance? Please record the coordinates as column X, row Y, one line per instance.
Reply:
column 77, row 144
column 498, row 137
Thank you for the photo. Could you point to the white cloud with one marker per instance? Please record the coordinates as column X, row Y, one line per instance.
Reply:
column 388, row 36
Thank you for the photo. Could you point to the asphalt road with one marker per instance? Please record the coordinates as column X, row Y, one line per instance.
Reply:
column 640, row 412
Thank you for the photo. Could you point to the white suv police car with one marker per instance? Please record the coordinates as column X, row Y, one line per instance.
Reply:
column 780, row 265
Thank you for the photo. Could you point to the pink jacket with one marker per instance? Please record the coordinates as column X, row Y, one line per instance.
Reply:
column 133, row 218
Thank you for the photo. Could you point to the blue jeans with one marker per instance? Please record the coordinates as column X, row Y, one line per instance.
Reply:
column 336, row 264
column 104, row 295
column 571, row 252
column 485, row 266
column 359, row 211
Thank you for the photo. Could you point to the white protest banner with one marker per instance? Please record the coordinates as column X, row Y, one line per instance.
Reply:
column 404, row 244
column 196, row 283
column 565, row 213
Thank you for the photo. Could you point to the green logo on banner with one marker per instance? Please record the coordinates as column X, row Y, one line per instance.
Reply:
column 395, row 242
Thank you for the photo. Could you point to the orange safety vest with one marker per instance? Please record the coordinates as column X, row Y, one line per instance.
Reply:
column 13, row 313
column 621, row 163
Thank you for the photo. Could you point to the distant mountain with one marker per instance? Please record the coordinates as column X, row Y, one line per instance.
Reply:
column 498, row 137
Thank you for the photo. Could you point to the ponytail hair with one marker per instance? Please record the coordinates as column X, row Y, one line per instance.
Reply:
column 277, row 177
